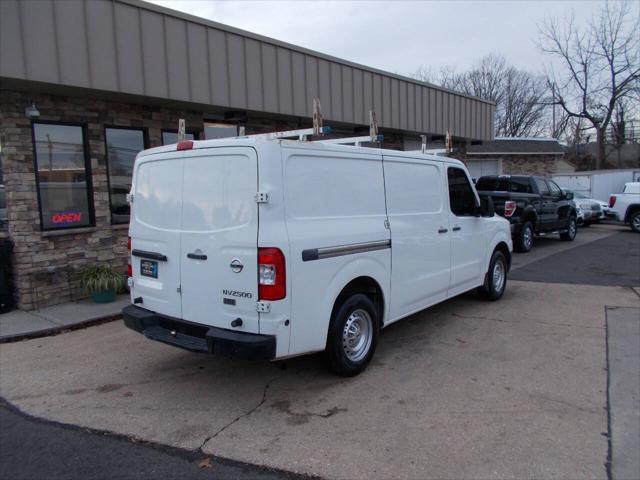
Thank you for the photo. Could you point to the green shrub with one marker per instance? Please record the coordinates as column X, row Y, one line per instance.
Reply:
column 101, row 278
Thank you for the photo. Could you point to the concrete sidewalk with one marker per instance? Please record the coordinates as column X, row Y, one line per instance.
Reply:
column 19, row 324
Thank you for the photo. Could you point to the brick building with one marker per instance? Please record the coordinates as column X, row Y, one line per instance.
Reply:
column 526, row 156
column 85, row 85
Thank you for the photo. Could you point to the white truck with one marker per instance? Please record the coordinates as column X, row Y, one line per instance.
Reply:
column 625, row 206
column 268, row 249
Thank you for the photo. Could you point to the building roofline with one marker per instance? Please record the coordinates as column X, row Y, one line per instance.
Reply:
column 228, row 28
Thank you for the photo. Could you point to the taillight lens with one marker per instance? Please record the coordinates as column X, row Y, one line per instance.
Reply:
column 129, row 267
column 272, row 280
column 509, row 208
column 612, row 201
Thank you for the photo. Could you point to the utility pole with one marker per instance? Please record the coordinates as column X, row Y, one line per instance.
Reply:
column 553, row 106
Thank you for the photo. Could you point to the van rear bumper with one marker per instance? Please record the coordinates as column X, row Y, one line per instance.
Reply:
column 199, row 338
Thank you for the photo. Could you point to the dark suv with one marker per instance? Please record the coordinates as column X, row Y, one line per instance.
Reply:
column 533, row 205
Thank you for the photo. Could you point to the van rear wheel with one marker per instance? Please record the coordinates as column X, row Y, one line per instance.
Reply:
column 353, row 336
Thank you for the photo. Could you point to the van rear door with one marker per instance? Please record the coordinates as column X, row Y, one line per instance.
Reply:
column 219, row 241
column 155, row 234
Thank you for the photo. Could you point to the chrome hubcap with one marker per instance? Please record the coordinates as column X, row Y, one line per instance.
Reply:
column 498, row 276
column 357, row 335
column 527, row 237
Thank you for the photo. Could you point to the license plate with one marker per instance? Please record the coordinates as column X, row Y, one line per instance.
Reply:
column 149, row 268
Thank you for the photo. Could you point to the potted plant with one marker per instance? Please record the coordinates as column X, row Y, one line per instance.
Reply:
column 102, row 282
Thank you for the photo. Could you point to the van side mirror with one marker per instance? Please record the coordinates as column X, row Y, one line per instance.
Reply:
column 487, row 208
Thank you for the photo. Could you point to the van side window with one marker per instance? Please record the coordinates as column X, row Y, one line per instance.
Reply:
column 461, row 196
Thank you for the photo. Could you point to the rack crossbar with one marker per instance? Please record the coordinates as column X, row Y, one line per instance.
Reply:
column 301, row 134
column 355, row 140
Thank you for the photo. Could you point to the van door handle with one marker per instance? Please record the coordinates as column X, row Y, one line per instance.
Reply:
column 196, row 256
column 152, row 255
column 443, row 230
column 457, row 228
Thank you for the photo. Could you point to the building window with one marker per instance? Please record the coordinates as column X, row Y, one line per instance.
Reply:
column 123, row 144
column 219, row 130
column 63, row 175
column 170, row 137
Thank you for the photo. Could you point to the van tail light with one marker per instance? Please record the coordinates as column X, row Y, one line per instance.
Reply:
column 509, row 208
column 612, row 201
column 185, row 145
column 272, row 280
column 129, row 267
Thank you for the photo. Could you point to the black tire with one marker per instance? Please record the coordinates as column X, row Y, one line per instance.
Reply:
column 524, row 240
column 572, row 229
column 336, row 356
column 634, row 221
column 492, row 290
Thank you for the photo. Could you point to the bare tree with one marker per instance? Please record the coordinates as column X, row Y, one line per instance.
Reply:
column 596, row 66
column 519, row 95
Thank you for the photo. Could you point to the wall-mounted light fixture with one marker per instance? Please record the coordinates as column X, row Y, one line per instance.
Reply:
column 31, row 111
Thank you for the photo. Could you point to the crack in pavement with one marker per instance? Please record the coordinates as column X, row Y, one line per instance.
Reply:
column 244, row 415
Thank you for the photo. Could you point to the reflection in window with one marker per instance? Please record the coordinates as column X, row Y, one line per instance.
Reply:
column 169, row 138
column 63, row 176
column 122, row 147
column 219, row 130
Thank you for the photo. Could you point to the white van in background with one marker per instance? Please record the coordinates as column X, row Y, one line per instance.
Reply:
column 274, row 248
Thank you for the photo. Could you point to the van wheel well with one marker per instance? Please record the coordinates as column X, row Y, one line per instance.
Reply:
column 367, row 286
column 504, row 248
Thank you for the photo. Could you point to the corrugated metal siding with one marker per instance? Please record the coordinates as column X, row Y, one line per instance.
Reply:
column 130, row 47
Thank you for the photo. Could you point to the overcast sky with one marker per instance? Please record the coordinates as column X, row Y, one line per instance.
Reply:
column 398, row 36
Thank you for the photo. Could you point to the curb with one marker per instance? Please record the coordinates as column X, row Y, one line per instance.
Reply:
column 50, row 332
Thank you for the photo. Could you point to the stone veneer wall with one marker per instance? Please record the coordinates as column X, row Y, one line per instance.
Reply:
column 47, row 264
column 542, row 165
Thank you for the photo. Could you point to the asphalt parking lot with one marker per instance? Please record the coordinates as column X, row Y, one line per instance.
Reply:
column 467, row 389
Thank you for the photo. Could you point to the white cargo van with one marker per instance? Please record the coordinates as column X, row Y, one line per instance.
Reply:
column 274, row 248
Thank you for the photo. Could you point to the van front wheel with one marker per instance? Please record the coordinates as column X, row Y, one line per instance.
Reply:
column 353, row 336
column 495, row 280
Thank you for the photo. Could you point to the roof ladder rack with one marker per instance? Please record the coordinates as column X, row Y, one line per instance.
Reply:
column 372, row 137
column 355, row 140
column 302, row 134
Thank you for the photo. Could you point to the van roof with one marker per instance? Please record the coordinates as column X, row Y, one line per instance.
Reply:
column 317, row 145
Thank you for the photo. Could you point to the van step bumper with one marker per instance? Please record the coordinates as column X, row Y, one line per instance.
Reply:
column 199, row 338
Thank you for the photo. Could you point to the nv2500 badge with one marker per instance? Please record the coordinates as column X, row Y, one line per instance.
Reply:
column 235, row 293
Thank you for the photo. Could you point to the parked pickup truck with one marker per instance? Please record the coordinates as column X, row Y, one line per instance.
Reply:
column 533, row 206
column 625, row 206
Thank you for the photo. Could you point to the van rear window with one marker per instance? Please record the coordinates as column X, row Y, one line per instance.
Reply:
column 158, row 201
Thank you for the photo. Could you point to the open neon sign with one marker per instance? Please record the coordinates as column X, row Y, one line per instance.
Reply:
column 66, row 218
